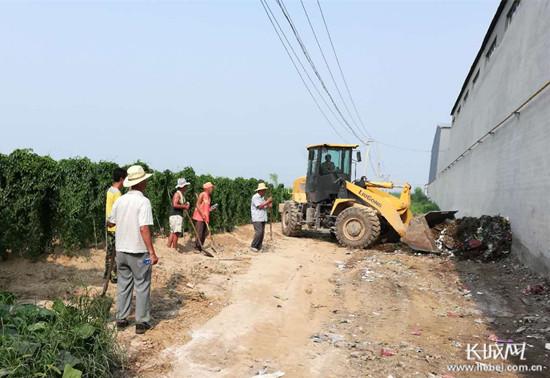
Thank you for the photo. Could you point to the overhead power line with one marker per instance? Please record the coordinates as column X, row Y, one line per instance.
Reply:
column 341, row 70
column 297, row 59
column 315, row 70
column 401, row 147
column 297, row 63
column 305, row 73
column 274, row 22
column 344, row 102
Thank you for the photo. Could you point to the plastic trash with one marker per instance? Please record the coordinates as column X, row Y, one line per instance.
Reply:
column 386, row 352
column 276, row 374
column 494, row 338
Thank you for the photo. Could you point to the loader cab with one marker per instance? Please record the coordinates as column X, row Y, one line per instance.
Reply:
column 329, row 166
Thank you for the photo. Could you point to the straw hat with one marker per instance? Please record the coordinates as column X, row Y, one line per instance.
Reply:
column 207, row 185
column 182, row 183
column 136, row 174
column 261, row 186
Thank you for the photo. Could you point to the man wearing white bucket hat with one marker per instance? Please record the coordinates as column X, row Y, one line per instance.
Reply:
column 132, row 214
column 176, row 212
column 258, row 207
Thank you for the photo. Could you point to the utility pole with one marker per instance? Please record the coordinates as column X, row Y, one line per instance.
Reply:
column 367, row 156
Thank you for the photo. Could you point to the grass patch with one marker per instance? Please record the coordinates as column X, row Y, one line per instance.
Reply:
column 70, row 340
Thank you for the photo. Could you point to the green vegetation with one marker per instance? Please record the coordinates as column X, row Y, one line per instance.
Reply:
column 45, row 202
column 69, row 340
column 420, row 203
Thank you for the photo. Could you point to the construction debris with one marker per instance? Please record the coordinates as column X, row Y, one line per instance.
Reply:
column 486, row 238
column 534, row 289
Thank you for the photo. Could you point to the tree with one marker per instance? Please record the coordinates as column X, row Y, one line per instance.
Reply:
column 274, row 178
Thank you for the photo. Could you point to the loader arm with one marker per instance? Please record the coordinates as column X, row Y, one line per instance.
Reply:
column 396, row 211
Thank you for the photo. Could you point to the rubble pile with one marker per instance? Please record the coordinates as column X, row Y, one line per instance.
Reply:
column 485, row 238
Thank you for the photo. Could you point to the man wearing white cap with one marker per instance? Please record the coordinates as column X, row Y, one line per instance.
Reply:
column 258, row 207
column 132, row 214
column 176, row 216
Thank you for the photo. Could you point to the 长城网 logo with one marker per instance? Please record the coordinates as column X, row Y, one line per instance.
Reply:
column 496, row 351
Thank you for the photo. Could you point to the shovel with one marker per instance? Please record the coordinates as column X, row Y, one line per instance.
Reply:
column 213, row 246
column 211, row 238
column 109, row 271
column 197, row 235
column 271, row 223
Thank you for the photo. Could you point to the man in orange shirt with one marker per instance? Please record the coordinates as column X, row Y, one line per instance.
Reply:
column 201, row 216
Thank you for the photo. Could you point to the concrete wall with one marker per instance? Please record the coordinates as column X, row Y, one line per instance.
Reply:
column 440, row 146
column 509, row 173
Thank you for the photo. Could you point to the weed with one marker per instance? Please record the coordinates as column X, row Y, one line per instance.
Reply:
column 71, row 339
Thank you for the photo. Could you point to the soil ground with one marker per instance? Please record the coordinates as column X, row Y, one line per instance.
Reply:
column 309, row 308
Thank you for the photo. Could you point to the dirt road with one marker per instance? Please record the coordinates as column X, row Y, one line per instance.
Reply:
column 309, row 308
column 285, row 297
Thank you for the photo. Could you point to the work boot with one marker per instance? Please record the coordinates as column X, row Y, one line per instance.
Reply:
column 141, row 328
column 122, row 323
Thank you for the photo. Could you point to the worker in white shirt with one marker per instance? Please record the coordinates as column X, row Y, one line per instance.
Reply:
column 135, row 254
column 258, row 210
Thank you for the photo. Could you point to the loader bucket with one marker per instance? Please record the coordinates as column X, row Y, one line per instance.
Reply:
column 419, row 235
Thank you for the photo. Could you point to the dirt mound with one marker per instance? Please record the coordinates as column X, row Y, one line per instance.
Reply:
column 486, row 238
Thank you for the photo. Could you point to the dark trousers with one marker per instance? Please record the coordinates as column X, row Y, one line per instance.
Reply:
column 259, row 228
column 110, row 256
column 202, row 232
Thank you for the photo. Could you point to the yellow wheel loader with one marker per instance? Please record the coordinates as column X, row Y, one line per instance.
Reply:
column 356, row 212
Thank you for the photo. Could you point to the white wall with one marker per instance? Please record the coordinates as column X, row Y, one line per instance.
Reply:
column 509, row 173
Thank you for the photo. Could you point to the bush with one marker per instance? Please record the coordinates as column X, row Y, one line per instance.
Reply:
column 421, row 204
column 28, row 199
column 42, row 201
column 70, row 340
column 80, row 209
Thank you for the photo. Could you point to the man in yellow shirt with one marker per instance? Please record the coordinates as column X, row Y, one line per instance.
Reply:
column 113, row 194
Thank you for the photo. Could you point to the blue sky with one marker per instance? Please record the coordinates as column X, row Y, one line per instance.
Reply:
column 207, row 84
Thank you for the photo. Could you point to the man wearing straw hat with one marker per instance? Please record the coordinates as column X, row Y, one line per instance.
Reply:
column 176, row 212
column 132, row 214
column 258, row 207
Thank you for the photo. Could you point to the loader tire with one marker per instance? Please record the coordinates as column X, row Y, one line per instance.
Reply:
column 357, row 227
column 291, row 219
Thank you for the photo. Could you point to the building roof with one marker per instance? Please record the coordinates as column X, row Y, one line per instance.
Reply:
column 480, row 52
column 329, row 145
